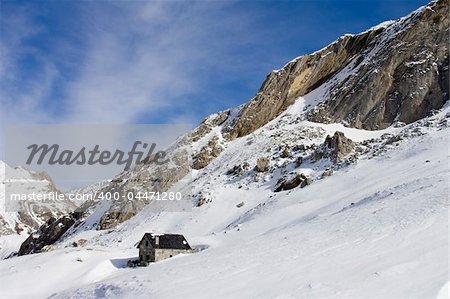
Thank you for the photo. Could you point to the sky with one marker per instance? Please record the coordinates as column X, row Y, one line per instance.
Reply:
column 123, row 62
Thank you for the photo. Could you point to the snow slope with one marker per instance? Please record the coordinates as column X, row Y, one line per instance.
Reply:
column 375, row 229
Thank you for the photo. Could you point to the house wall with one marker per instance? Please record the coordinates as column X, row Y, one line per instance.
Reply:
column 146, row 254
column 162, row 254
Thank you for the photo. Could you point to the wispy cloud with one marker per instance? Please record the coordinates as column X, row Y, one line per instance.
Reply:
column 152, row 56
column 20, row 95
column 148, row 61
column 130, row 61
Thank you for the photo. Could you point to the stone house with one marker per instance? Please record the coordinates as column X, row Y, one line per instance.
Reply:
column 157, row 247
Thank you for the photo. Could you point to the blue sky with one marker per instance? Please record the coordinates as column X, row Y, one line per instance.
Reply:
column 159, row 62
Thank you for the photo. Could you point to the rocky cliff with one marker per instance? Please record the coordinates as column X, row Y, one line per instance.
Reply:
column 397, row 71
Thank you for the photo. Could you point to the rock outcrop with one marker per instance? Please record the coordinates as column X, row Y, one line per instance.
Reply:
column 239, row 169
column 47, row 234
column 339, row 145
column 262, row 164
column 207, row 153
column 288, row 183
column 335, row 148
column 210, row 122
column 144, row 178
column 397, row 72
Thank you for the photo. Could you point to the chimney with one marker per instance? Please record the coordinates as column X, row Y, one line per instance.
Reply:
column 157, row 240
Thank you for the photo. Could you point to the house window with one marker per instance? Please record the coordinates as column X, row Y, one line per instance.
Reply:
column 148, row 257
column 146, row 243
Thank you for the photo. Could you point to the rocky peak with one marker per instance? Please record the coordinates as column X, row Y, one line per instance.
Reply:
column 403, row 77
column 397, row 72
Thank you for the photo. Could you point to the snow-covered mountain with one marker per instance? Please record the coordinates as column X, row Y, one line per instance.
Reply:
column 30, row 215
column 332, row 182
column 20, row 221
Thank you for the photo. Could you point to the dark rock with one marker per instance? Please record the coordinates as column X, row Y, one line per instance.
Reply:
column 203, row 199
column 392, row 139
column 47, row 234
column 299, row 161
column 133, row 263
column 239, row 169
column 286, row 183
column 300, row 147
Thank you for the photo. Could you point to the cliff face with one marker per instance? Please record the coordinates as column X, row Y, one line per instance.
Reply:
column 402, row 78
column 395, row 72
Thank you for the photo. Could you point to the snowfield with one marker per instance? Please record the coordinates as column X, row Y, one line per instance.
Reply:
column 375, row 229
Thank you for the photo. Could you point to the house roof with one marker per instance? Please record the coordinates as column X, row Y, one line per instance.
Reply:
column 166, row 241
